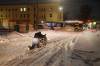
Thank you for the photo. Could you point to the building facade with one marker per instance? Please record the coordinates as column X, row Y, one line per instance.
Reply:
column 29, row 15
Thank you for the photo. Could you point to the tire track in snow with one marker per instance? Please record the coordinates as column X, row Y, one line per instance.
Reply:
column 52, row 55
column 18, row 59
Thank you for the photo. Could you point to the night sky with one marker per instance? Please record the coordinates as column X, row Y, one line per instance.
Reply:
column 71, row 7
column 23, row 1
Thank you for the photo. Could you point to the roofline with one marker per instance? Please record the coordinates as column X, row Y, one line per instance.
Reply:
column 30, row 3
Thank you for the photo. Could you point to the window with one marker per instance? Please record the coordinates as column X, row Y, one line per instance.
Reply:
column 28, row 15
column 23, row 9
column 9, row 9
column 44, row 16
column 50, row 15
column 44, row 9
column 1, row 9
column 16, row 15
column 12, row 9
column 6, row 16
column 28, row 9
column 1, row 15
column 21, row 16
column 15, row 9
column 50, row 9
column 34, row 9
column 6, row 9
column 24, row 15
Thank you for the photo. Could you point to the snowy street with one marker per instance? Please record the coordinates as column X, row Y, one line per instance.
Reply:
column 62, row 49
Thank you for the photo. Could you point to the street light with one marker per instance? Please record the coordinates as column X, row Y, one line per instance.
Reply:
column 60, row 12
column 94, row 25
column 60, row 8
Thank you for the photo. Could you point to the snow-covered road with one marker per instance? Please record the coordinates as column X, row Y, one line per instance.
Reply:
column 56, row 53
column 16, row 44
column 63, row 49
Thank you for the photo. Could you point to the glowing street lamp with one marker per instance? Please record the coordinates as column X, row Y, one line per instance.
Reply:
column 60, row 13
column 42, row 22
column 94, row 23
column 60, row 8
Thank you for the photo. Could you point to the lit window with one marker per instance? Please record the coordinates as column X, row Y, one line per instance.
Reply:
column 24, row 9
